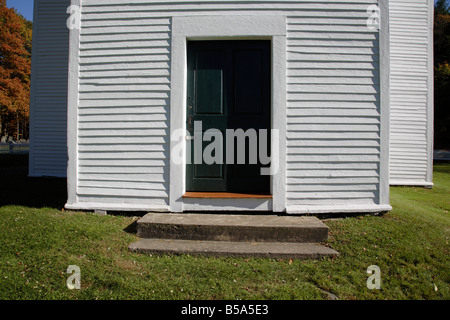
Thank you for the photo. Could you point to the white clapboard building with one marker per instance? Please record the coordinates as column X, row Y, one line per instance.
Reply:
column 343, row 88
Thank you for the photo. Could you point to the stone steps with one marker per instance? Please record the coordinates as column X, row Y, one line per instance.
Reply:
column 278, row 250
column 232, row 235
column 265, row 228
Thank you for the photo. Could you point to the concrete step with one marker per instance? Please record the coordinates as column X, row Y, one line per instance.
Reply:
column 234, row 228
column 277, row 250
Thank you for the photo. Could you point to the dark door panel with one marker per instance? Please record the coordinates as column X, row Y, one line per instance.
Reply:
column 229, row 85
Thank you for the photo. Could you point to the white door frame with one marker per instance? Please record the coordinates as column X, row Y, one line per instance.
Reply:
column 227, row 28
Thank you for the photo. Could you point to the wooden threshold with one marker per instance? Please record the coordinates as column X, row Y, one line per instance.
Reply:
column 225, row 195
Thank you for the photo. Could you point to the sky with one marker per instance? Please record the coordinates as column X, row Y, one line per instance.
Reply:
column 24, row 7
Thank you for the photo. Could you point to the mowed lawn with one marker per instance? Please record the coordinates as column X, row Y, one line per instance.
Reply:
column 38, row 241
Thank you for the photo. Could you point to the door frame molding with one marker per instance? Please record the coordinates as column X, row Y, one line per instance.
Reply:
column 227, row 28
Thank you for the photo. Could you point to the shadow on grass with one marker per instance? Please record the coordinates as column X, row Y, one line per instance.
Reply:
column 441, row 166
column 16, row 188
column 132, row 228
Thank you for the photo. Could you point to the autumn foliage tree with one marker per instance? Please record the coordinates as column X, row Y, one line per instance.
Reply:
column 15, row 69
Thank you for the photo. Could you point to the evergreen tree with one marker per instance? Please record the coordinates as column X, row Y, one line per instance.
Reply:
column 442, row 75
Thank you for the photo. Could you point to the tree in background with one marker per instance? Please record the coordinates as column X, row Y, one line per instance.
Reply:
column 441, row 74
column 15, row 69
column 441, row 7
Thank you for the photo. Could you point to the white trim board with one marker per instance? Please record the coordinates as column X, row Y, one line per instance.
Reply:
column 227, row 28
column 385, row 94
column 410, row 183
column 430, row 98
column 341, row 209
column 115, row 207
column 72, row 113
column 227, row 204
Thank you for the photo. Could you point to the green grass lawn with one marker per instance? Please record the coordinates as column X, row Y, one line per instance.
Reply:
column 38, row 241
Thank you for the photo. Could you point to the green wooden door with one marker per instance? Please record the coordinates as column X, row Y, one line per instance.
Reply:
column 229, row 87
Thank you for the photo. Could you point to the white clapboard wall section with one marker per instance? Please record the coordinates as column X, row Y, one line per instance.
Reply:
column 124, row 85
column 333, row 108
column 333, row 100
column 48, row 105
column 411, row 92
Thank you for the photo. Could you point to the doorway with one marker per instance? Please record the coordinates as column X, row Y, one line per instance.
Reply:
column 228, row 103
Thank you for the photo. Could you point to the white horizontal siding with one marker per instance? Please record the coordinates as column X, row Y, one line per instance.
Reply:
column 410, row 141
column 124, row 87
column 333, row 110
column 48, row 105
column 333, row 99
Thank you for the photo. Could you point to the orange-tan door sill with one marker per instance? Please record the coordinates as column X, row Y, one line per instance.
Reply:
column 225, row 195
